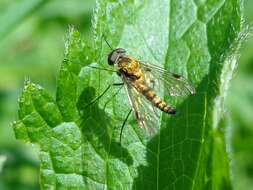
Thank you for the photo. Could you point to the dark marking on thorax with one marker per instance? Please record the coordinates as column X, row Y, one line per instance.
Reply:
column 130, row 68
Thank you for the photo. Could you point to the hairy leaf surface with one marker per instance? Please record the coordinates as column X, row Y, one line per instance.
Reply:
column 80, row 146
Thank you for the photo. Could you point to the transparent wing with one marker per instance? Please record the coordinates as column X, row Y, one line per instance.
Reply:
column 146, row 114
column 174, row 85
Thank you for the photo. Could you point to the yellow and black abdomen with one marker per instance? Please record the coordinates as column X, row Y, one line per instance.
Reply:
column 131, row 68
column 154, row 99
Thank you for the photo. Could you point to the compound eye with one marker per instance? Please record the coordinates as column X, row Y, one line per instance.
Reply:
column 110, row 62
column 110, row 59
column 121, row 50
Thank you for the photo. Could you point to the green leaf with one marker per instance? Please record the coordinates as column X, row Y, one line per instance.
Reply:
column 80, row 146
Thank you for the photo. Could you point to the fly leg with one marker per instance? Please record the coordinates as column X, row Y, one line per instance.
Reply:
column 103, row 93
column 123, row 125
column 115, row 94
column 102, row 69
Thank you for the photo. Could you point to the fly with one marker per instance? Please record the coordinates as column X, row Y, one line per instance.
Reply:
column 143, row 82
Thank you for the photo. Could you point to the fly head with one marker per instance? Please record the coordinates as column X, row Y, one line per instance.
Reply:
column 115, row 54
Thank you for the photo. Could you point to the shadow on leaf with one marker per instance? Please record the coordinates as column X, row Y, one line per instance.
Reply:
column 179, row 148
column 98, row 130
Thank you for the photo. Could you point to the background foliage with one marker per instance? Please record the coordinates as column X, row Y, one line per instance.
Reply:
column 32, row 45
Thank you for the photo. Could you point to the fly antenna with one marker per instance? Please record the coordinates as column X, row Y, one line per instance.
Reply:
column 103, row 36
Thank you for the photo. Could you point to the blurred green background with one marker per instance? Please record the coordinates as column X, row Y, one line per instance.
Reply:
column 32, row 44
column 32, row 36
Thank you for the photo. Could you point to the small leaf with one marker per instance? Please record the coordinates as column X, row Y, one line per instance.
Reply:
column 80, row 146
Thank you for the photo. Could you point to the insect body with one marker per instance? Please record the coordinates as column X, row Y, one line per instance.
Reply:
column 143, row 81
column 129, row 67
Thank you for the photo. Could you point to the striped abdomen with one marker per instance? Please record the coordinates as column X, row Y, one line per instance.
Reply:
column 154, row 99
